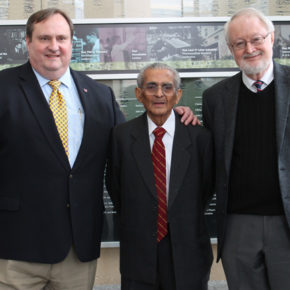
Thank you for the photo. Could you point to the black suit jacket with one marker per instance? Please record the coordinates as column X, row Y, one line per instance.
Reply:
column 220, row 103
column 46, row 206
column 132, row 189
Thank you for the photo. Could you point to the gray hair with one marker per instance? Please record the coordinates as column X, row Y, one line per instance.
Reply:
column 158, row 65
column 250, row 12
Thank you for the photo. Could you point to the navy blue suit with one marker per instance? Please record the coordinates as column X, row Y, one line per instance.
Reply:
column 46, row 206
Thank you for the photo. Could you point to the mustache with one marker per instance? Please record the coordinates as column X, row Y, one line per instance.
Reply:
column 255, row 53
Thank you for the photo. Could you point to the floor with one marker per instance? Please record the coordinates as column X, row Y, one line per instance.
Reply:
column 213, row 285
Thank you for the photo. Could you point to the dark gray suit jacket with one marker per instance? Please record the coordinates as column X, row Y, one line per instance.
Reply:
column 132, row 189
column 46, row 206
column 220, row 104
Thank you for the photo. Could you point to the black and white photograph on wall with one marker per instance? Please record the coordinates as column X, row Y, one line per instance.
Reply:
column 124, row 44
column 282, row 42
column 86, row 44
column 182, row 42
column 12, row 46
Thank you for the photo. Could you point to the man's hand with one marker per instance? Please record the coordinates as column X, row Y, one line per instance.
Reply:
column 187, row 116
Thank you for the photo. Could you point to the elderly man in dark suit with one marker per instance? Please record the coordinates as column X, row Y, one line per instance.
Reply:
column 160, row 182
column 249, row 117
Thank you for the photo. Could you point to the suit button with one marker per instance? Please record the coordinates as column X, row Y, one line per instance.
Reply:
column 70, row 176
column 67, row 205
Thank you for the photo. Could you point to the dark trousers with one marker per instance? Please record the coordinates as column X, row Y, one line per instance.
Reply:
column 165, row 277
column 256, row 253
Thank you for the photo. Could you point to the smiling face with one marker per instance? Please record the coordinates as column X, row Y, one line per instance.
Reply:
column 253, row 60
column 50, row 47
column 158, row 104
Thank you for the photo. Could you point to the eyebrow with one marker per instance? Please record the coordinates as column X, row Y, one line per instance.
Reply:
column 154, row 83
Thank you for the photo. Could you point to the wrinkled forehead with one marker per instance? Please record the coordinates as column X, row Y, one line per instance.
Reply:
column 158, row 76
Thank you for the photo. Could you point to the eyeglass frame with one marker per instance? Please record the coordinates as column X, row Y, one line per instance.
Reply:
column 162, row 88
column 245, row 42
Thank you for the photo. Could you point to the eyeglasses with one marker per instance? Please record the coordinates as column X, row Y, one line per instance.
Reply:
column 255, row 41
column 152, row 88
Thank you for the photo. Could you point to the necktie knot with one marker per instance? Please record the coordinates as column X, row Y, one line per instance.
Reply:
column 159, row 132
column 55, row 84
column 258, row 84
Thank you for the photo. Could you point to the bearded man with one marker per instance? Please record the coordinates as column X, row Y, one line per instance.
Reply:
column 248, row 115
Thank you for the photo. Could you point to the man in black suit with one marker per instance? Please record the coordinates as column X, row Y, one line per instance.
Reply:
column 178, row 255
column 249, row 117
column 52, row 163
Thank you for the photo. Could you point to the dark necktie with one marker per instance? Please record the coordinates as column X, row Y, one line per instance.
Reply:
column 159, row 167
column 258, row 85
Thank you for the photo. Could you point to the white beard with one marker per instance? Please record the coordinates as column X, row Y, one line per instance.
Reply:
column 249, row 69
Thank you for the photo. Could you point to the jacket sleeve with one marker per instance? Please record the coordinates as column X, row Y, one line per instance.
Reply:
column 113, row 172
column 208, row 171
column 118, row 115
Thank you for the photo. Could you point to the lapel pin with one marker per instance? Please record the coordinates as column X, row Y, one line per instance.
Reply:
column 85, row 90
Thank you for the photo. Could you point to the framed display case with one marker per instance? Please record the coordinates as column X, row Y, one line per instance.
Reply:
column 112, row 51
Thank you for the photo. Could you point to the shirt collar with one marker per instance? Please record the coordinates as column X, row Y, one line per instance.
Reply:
column 65, row 78
column 267, row 77
column 169, row 124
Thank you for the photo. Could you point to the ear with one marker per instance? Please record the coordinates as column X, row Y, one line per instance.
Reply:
column 138, row 94
column 27, row 41
column 272, row 38
column 178, row 96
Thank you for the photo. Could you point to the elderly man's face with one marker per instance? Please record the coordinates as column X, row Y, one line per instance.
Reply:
column 158, row 94
column 253, row 59
column 50, row 48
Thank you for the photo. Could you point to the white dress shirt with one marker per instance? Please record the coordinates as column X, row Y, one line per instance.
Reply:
column 167, row 139
column 267, row 79
column 75, row 112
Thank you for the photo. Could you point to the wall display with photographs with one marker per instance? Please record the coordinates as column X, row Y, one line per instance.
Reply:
column 113, row 51
column 106, row 48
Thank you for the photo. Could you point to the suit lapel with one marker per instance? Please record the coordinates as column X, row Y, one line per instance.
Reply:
column 179, row 161
column 282, row 101
column 41, row 110
column 142, row 153
column 230, row 99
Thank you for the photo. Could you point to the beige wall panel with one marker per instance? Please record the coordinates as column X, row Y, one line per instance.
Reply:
column 135, row 8
column 99, row 8
column 69, row 6
column 21, row 9
column 4, row 5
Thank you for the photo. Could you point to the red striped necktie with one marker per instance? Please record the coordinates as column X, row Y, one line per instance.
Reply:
column 159, row 167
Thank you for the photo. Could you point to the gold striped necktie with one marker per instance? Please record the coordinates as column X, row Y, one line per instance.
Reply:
column 58, row 107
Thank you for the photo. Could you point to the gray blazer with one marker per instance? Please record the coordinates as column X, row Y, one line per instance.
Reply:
column 220, row 104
